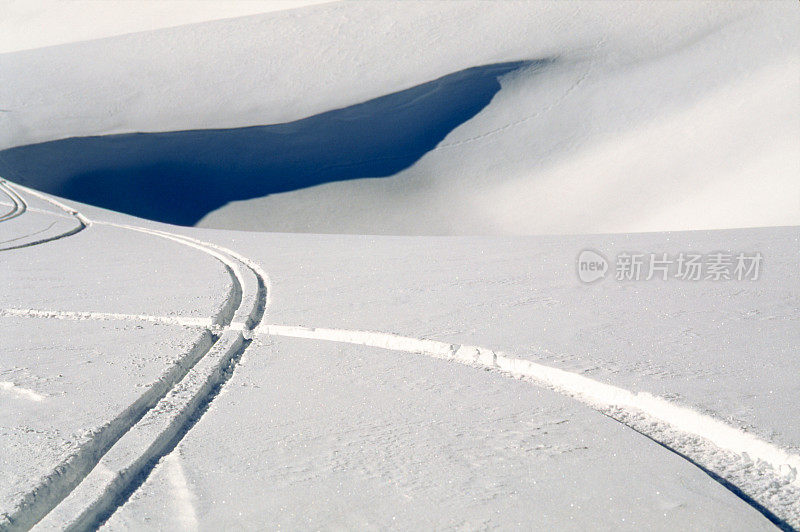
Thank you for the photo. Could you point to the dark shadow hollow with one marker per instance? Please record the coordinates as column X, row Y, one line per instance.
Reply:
column 180, row 176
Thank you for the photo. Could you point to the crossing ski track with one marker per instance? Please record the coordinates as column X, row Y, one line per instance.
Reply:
column 85, row 492
column 176, row 398
column 18, row 205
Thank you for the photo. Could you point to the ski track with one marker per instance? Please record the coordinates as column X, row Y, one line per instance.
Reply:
column 21, row 206
column 157, row 433
column 40, row 231
column 728, row 454
column 173, row 402
column 18, row 205
column 760, row 473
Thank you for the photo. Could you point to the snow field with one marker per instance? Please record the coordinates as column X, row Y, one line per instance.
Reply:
column 728, row 452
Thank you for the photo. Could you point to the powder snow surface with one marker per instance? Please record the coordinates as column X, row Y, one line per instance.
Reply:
column 156, row 376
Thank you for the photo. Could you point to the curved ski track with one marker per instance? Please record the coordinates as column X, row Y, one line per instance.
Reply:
column 83, row 496
column 222, row 344
column 20, row 206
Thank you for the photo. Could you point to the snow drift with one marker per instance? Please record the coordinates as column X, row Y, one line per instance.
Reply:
column 179, row 177
column 648, row 117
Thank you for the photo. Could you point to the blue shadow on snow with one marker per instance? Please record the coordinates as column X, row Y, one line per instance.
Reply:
column 179, row 176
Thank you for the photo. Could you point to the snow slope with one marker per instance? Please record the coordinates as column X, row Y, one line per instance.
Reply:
column 330, row 436
column 166, row 377
column 627, row 117
column 752, row 453
column 72, row 384
column 66, row 391
column 28, row 24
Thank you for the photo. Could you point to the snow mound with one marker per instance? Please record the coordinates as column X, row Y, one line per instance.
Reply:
column 638, row 118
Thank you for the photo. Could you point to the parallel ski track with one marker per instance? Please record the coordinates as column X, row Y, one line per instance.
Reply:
column 128, row 463
column 62, row 482
column 21, row 206
column 18, row 205
column 651, row 416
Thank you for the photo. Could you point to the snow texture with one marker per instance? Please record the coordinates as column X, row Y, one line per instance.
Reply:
column 159, row 376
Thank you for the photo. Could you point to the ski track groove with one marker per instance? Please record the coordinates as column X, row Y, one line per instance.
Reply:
column 39, row 232
column 158, row 431
column 71, row 474
column 18, row 205
column 759, row 473
column 21, row 206
column 637, row 411
column 727, row 454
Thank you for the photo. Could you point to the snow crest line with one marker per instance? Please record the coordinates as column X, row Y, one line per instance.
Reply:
column 226, row 314
column 762, row 474
column 64, row 207
column 263, row 290
column 258, row 295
